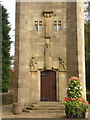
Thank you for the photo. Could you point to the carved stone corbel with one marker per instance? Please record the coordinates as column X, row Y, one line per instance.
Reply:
column 47, row 13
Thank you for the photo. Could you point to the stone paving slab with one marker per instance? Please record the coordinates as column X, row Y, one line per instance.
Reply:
column 41, row 119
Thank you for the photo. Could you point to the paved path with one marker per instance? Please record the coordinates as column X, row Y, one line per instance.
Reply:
column 40, row 119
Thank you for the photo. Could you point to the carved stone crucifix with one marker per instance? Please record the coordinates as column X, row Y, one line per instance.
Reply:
column 47, row 55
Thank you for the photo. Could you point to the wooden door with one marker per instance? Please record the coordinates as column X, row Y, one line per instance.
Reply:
column 48, row 86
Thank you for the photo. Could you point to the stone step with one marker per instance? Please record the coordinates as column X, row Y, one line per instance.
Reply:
column 45, row 108
column 49, row 111
column 59, row 113
column 48, row 104
column 44, row 111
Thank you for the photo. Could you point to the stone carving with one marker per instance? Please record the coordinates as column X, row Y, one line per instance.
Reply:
column 33, row 64
column 48, row 27
column 62, row 64
column 48, row 13
column 48, row 23
column 47, row 56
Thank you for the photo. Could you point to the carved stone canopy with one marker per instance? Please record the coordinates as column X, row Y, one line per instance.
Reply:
column 47, row 13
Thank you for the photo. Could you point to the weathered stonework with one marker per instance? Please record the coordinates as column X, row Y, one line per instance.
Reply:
column 60, row 51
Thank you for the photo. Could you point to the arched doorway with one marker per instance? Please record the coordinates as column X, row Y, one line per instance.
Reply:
column 48, row 85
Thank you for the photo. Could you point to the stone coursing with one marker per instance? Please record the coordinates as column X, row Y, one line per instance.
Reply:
column 47, row 49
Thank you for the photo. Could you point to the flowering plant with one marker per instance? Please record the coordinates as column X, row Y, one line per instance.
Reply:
column 74, row 88
column 73, row 78
column 75, row 105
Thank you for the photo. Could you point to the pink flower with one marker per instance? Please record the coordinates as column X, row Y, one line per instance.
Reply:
column 73, row 98
column 81, row 100
column 86, row 103
column 82, row 103
column 73, row 78
column 67, row 99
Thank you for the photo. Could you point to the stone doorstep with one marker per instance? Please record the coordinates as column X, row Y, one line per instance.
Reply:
column 46, row 106
column 50, row 102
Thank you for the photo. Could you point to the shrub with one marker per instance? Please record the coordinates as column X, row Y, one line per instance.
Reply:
column 75, row 105
column 74, row 88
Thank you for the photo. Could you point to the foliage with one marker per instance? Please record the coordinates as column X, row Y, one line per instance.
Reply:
column 87, row 45
column 6, row 59
column 75, row 105
column 74, row 88
column 87, row 51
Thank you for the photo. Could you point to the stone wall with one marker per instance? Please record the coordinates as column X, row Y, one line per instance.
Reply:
column 63, row 45
column 7, row 98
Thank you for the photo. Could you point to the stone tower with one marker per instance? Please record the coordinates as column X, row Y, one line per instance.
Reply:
column 49, row 50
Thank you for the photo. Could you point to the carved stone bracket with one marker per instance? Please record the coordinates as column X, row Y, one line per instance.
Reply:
column 47, row 13
column 62, row 64
column 33, row 64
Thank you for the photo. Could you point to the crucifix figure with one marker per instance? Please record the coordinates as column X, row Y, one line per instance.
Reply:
column 47, row 56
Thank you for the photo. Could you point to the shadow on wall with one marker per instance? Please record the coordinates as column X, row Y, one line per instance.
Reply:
column 88, row 96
